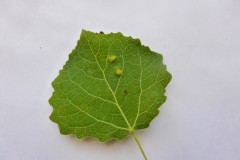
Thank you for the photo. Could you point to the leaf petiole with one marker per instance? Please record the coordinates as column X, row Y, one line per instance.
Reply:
column 139, row 145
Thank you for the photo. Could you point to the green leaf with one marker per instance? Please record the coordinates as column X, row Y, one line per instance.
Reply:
column 110, row 86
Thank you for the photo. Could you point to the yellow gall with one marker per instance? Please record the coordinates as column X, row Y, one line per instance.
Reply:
column 112, row 58
column 119, row 72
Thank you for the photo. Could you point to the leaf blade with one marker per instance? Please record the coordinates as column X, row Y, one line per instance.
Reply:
column 91, row 100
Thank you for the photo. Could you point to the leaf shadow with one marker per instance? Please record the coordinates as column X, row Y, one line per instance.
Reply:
column 91, row 141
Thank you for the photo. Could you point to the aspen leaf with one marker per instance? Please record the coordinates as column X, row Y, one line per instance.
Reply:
column 110, row 87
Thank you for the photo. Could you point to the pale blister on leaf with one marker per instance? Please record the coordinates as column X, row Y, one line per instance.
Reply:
column 108, row 99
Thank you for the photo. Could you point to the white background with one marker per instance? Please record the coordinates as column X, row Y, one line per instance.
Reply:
column 200, row 41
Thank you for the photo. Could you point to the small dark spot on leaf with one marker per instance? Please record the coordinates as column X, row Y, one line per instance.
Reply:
column 126, row 92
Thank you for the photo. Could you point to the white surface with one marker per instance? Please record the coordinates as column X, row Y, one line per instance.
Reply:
column 200, row 41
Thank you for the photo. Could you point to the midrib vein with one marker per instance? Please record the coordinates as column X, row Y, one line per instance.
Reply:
column 109, row 87
column 140, row 95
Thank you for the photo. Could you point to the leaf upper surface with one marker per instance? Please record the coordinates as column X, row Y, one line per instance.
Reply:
column 91, row 100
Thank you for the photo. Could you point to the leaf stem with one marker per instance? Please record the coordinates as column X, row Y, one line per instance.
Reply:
column 139, row 145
